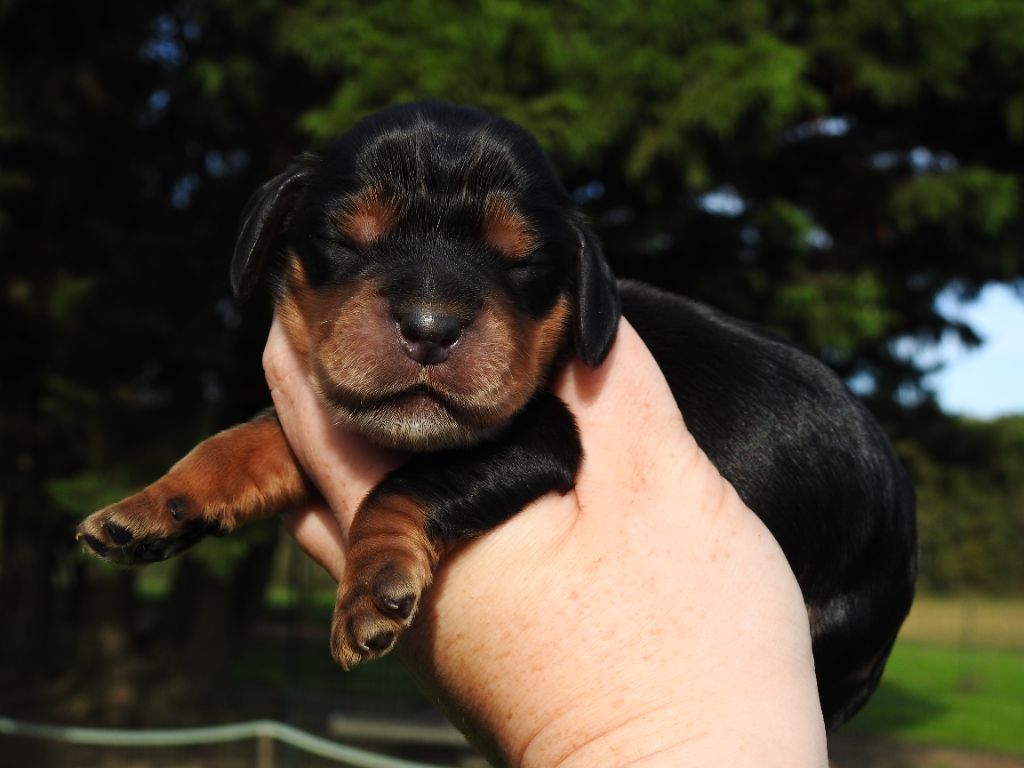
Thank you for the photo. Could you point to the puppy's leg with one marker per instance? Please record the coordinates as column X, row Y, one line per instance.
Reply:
column 403, row 526
column 240, row 474
column 391, row 561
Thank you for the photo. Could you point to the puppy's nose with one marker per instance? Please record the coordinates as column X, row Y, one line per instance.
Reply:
column 428, row 337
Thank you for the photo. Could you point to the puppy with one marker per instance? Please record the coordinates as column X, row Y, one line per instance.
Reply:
column 434, row 273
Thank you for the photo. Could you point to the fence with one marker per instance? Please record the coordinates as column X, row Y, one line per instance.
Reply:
column 265, row 732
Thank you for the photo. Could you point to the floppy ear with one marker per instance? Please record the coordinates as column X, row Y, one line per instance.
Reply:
column 597, row 299
column 262, row 220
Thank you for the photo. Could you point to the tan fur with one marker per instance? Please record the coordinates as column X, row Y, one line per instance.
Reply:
column 394, row 527
column 368, row 217
column 506, row 230
column 264, row 479
column 390, row 559
column 527, row 349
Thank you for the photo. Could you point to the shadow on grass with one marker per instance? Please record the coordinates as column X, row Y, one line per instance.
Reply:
column 894, row 708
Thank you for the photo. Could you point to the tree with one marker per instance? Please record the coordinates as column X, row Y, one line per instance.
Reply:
column 970, row 478
column 123, row 175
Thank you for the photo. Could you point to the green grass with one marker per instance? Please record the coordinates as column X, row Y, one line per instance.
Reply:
column 956, row 678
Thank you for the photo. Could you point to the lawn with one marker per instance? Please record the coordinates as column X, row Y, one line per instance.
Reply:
column 956, row 677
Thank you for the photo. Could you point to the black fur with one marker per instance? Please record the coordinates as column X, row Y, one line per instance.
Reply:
column 265, row 212
column 468, row 491
column 803, row 453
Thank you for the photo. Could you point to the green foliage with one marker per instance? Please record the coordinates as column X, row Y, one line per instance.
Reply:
column 900, row 52
column 963, row 527
column 80, row 494
column 970, row 489
column 220, row 557
column 835, row 312
column 974, row 199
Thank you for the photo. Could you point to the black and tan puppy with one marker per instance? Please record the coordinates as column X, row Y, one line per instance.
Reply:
column 431, row 269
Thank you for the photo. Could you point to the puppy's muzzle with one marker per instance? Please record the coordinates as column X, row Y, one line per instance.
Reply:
column 427, row 337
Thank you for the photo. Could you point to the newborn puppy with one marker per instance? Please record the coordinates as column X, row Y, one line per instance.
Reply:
column 433, row 273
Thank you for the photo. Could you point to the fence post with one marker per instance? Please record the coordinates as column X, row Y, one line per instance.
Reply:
column 264, row 751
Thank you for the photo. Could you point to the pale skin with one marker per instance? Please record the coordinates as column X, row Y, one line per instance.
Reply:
column 647, row 618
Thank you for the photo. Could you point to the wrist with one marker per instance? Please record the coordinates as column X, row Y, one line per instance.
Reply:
column 549, row 652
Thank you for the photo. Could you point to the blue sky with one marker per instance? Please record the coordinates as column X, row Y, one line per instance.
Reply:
column 988, row 381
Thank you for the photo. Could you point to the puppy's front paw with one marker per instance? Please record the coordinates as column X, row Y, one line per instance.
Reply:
column 150, row 526
column 240, row 474
column 377, row 600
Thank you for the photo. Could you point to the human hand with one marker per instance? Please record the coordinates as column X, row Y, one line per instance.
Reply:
column 647, row 617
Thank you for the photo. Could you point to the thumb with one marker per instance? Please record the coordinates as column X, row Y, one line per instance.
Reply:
column 629, row 420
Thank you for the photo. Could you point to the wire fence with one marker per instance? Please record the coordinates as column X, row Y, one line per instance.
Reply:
column 265, row 732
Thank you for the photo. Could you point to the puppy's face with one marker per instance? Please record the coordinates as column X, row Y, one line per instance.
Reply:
column 433, row 272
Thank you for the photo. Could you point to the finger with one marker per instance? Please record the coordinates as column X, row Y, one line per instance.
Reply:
column 317, row 532
column 626, row 412
column 341, row 464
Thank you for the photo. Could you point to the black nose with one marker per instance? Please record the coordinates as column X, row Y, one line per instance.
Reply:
column 428, row 337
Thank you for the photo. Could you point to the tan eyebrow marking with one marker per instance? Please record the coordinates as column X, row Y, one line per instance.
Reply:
column 368, row 217
column 507, row 230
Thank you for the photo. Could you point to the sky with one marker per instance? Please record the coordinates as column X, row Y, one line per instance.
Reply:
column 988, row 381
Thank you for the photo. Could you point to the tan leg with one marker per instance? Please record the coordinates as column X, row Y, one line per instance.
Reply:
column 240, row 474
column 391, row 561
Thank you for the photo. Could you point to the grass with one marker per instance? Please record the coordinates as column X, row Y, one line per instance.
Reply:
column 952, row 697
column 956, row 677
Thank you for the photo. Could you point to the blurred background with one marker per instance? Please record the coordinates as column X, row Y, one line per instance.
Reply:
column 848, row 173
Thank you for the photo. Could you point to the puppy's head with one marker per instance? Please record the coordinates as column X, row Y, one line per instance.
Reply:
column 432, row 270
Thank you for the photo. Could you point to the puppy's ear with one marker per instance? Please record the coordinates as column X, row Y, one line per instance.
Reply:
column 597, row 299
column 262, row 220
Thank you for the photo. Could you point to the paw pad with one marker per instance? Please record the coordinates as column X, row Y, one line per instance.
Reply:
column 401, row 608
column 372, row 613
column 117, row 533
column 176, row 507
column 380, row 642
